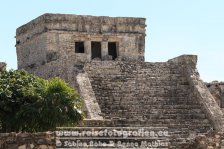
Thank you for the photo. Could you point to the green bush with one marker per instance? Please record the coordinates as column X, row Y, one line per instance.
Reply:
column 29, row 103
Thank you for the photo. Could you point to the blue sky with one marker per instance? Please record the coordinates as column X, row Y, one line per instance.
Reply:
column 174, row 27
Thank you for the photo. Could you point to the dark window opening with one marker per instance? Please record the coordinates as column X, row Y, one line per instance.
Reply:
column 96, row 50
column 79, row 47
column 112, row 49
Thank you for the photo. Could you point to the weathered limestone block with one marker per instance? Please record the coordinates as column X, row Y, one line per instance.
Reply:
column 27, row 140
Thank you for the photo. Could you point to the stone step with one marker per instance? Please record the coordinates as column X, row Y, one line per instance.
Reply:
column 157, row 113
column 167, row 122
column 151, row 107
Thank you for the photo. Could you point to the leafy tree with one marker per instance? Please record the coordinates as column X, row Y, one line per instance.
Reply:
column 29, row 103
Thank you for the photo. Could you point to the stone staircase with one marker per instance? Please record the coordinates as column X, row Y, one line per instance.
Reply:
column 147, row 95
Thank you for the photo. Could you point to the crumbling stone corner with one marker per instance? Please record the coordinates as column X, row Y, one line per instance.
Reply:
column 209, row 105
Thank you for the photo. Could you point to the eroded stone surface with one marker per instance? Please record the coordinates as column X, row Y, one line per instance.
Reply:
column 217, row 90
column 55, row 36
column 209, row 141
column 27, row 140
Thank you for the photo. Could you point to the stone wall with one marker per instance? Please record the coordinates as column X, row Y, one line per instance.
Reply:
column 53, row 36
column 209, row 141
column 63, row 68
column 32, row 53
column 45, row 140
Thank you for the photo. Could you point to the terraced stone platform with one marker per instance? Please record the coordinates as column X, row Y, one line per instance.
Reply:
column 144, row 94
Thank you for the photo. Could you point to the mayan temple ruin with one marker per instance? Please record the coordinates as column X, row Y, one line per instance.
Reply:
column 103, row 58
